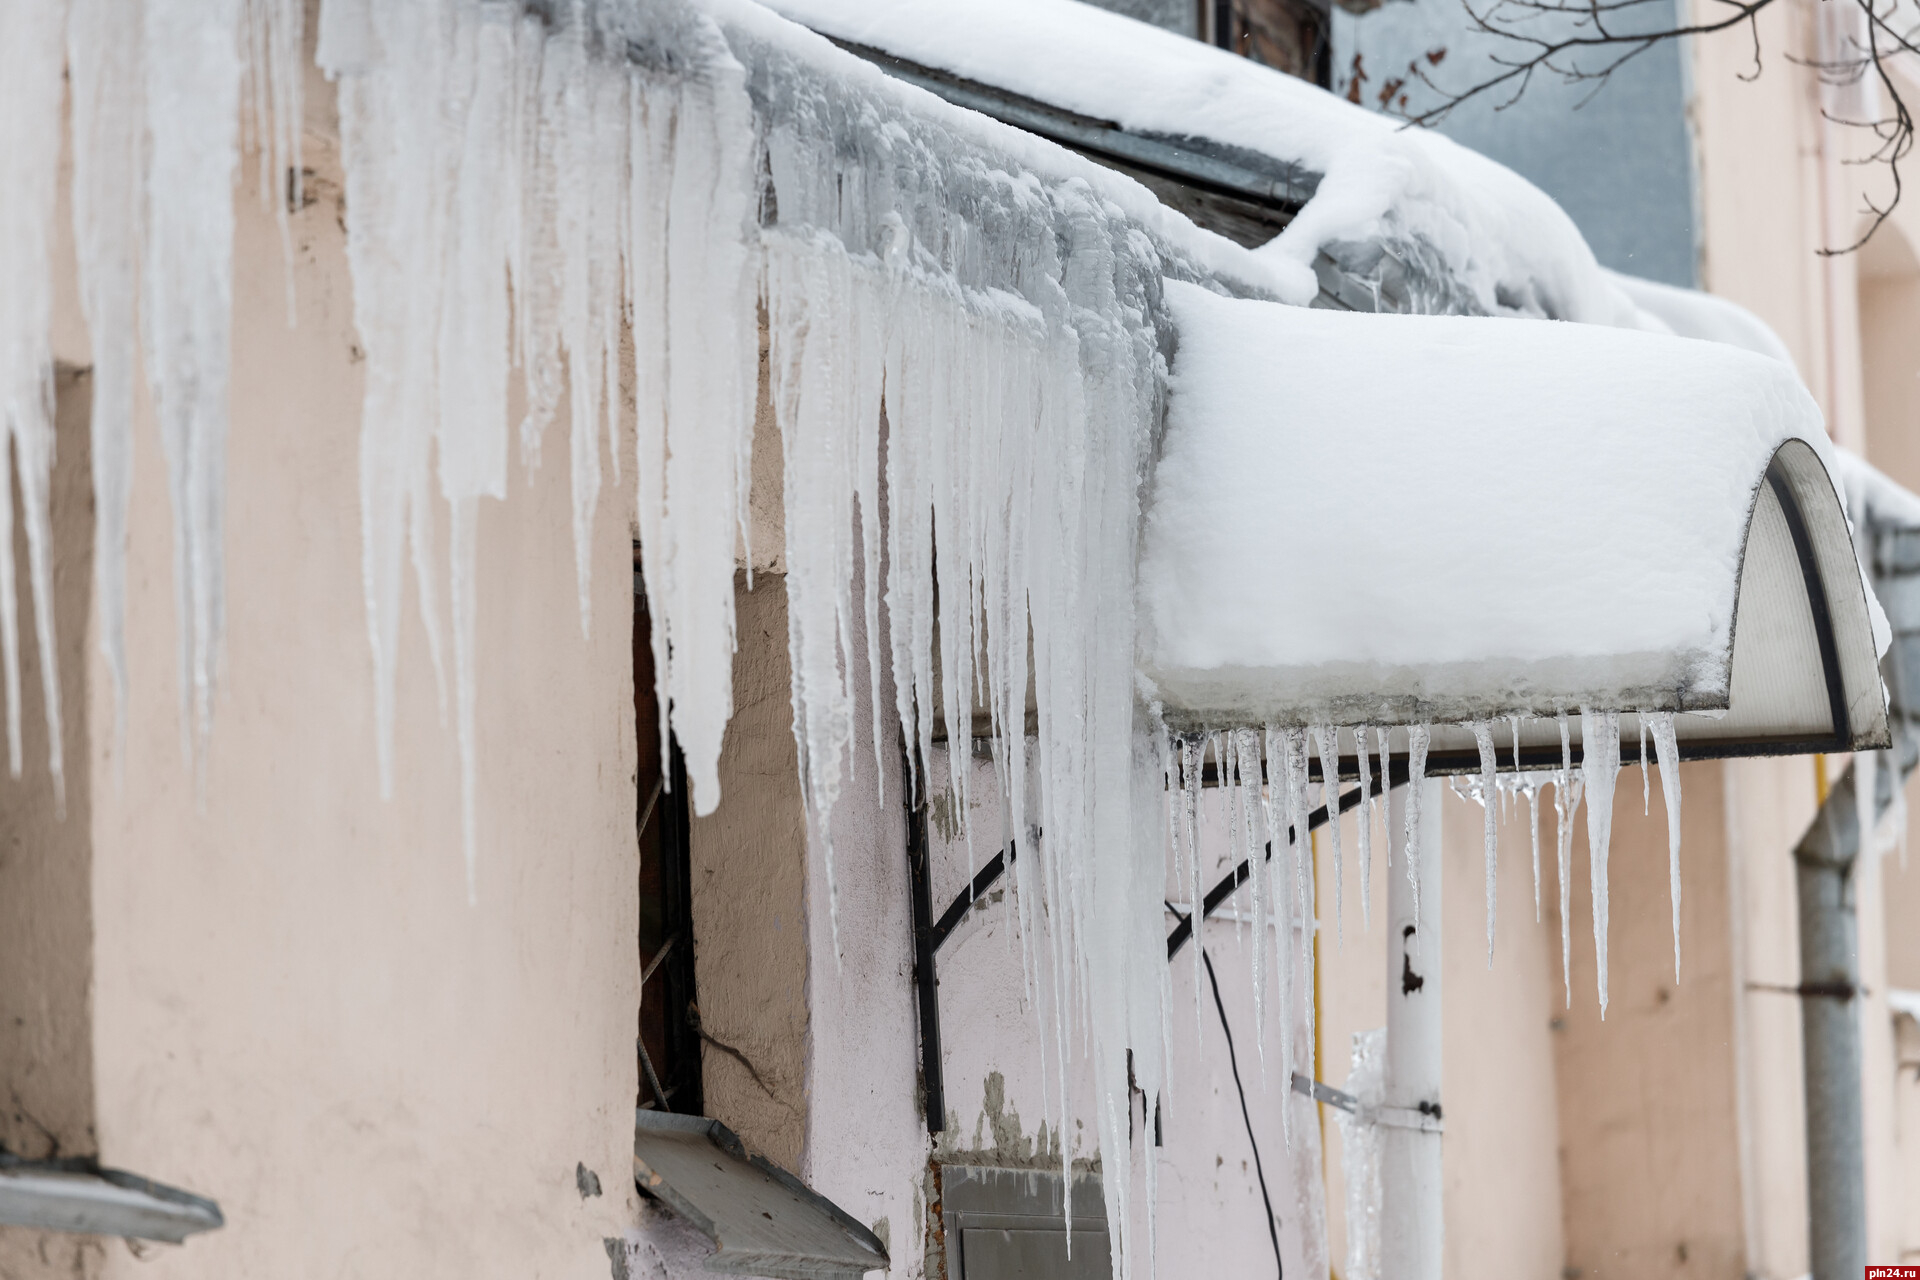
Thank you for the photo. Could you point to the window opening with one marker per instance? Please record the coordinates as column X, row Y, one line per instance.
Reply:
column 668, row 1042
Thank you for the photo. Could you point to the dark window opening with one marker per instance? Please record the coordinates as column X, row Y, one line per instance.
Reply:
column 669, row 1030
column 1294, row 36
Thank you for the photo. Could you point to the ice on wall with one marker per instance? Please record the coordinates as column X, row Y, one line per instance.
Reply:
column 106, row 57
column 1360, row 1153
column 31, row 36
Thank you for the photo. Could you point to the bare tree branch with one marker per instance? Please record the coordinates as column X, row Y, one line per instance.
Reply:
column 1584, row 42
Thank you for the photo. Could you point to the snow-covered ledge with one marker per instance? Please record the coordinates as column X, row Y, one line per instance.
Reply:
column 1404, row 520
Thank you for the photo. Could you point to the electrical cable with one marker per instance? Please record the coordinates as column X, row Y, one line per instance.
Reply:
column 1273, row 1223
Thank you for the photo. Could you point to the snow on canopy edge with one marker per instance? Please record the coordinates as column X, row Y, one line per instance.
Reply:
column 1503, row 238
column 1865, row 493
column 1445, row 571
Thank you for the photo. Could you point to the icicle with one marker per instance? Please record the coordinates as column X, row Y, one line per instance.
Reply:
column 1514, row 722
column 1386, row 785
column 1599, row 766
column 104, row 55
column 275, row 38
column 1303, row 864
column 1563, row 806
column 1190, row 766
column 1328, row 739
column 31, row 59
column 1669, row 753
column 1418, row 736
column 1646, row 778
column 1533, row 831
column 193, row 101
column 1490, row 821
column 1246, row 751
column 1364, row 814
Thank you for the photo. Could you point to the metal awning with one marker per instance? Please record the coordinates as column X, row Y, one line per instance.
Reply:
column 1437, row 520
column 77, row 1196
column 762, row 1220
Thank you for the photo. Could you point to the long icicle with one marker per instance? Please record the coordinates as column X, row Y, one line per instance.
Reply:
column 1646, row 778
column 1418, row 736
column 1328, row 739
column 1669, row 753
column 1490, row 821
column 1364, row 814
column 1190, row 827
column 1563, row 807
column 1599, row 767
column 1533, row 830
column 1384, row 737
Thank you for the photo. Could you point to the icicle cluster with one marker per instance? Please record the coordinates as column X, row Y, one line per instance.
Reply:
column 1283, row 847
column 531, row 187
column 156, row 94
column 966, row 354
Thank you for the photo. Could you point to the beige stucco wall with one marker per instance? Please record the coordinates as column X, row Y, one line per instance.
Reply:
column 294, row 1008
column 1647, row 1097
column 1773, row 191
column 1502, row 1147
column 46, row 909
column 749, row 864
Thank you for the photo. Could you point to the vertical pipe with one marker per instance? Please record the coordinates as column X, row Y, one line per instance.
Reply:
column 1412, row 1230
column 1830, row 1036
column 926, row 979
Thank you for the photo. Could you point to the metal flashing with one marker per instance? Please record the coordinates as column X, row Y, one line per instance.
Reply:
column 80, row 1197
column 762, row 1220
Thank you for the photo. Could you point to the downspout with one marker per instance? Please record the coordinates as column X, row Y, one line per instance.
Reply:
column 1830, row 1036
column 1412, row 1226
column 1824, row 862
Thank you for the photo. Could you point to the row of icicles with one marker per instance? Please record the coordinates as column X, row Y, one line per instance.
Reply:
column 1266, row 777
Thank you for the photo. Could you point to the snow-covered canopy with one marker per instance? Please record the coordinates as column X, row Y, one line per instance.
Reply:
column 1362, row 519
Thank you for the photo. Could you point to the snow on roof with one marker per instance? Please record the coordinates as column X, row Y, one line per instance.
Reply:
column 1873, row 497
column 1410, row 519
column 1691, row 313
column 1499, row 235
